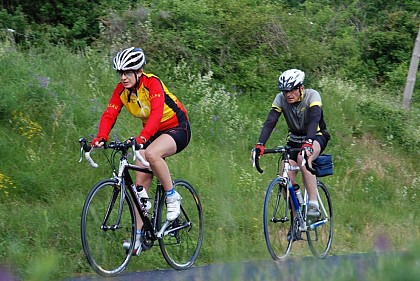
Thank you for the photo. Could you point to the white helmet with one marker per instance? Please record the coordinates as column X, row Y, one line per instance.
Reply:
column 129, row 59
column 291, row 79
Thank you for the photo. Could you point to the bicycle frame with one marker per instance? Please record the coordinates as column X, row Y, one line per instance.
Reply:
column 286, row 167
column 286, row 181
column 123, row 179
column 322, row 209
column 303, row 226
column 278, row 234
column 151, row 224
column 115, row 200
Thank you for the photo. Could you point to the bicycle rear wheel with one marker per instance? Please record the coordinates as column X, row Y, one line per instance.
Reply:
column 320, row 237
column 103, row 233
column 181, row 245
column 277, row 223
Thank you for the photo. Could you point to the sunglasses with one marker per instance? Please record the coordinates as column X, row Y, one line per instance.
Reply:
column 285, row 92
column 127, row 73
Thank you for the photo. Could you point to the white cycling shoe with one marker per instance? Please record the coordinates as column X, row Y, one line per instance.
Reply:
column 173, row 205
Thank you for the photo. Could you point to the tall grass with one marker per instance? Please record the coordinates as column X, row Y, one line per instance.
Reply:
column 50, row 99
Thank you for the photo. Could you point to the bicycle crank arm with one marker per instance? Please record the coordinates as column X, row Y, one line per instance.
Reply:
column 318, row 223
column 162, row 230
column 177, row 228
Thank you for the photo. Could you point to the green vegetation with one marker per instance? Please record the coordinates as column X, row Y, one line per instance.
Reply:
column 222, row 60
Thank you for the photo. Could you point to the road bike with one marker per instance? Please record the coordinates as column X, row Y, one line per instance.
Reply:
column 285, row 220
column 109, row 216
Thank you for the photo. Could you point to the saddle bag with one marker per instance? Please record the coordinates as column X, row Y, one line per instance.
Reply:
column 323, row 165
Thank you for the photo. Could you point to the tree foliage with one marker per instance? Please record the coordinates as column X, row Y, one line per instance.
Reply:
column 244, row 43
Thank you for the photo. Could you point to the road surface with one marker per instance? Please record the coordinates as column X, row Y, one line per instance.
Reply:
column 293, row 269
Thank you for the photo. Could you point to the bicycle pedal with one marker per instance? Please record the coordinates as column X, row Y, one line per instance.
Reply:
column 138, row 251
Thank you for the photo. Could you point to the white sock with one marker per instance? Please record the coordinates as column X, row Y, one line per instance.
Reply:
column 313, row 203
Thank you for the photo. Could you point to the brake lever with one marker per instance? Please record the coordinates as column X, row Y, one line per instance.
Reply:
column 255, row 161
column 136, row 149
column 86, row 149
column 82, row 142
column 133, row 147
column 306, row 163
column 81, row 154
column 303, row 154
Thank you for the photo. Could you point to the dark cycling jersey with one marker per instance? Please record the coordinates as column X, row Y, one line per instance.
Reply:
column 153, row 104
column 304, row 118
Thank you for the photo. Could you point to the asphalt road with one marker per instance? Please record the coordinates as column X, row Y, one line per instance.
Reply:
column 293, row 269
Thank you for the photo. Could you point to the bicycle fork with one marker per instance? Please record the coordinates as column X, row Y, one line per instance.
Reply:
column 111, row 205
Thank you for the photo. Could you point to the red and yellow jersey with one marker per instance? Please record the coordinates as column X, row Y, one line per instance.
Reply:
column 153, row 103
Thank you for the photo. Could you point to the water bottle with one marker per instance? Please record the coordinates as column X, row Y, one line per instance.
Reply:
column 143, row 197
column 298, row 193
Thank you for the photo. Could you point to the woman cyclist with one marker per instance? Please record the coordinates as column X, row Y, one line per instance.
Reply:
column 302, row 109
column 165, row 131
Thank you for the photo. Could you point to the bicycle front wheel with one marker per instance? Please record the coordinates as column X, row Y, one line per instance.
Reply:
column 320, row 234
column 182, row 241
column 278, row 221
column 107, row 221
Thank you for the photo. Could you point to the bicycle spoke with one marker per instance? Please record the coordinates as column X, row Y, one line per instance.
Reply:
column 320, row 237
column 182, row 243
column 276, row 227
column 103, row 230
column 108, row 223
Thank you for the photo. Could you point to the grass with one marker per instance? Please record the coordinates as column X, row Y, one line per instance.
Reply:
column 374, row 189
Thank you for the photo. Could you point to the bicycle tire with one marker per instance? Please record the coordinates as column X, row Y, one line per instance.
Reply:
column 320, row 238
column 275, row 230
column 103, row 247
column 181, row 247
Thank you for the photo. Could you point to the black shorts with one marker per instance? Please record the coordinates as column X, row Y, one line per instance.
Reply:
column 181, row 135
column 322, row 140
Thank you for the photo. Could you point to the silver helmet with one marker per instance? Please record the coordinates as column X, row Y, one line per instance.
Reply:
column 129, row 59
column 291, row 79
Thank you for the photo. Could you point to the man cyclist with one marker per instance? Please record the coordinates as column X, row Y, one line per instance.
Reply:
column 302, row 109
column 165, row 132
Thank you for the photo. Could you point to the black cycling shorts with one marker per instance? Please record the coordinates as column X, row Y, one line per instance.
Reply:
column 181, row 135
column 322, row 140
